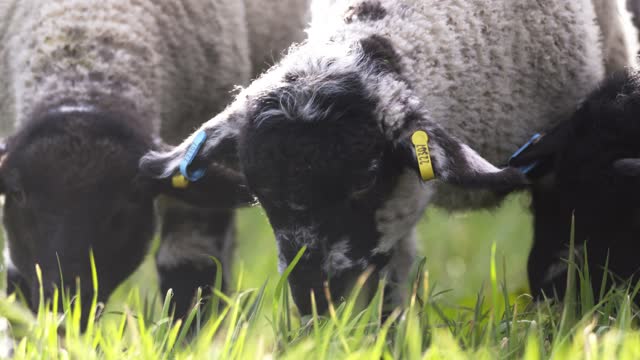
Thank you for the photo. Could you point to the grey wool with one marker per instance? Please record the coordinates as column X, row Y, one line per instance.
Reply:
column 176, row 61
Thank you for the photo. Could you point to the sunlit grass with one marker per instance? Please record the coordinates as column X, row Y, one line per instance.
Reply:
column 479, row 313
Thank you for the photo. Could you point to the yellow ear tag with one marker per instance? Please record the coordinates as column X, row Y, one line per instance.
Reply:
column 420, row 141
column 178, row 181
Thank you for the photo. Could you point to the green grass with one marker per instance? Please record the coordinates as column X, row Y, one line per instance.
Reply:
column 466, row 300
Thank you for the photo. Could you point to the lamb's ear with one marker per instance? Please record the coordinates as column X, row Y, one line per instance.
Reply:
column 456, row 163
column 220, row 188
column 540, row 153
column 627, row 167
column 208, row 160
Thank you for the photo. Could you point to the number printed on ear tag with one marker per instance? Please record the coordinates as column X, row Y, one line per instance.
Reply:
column 191, row 154
column 420, row 141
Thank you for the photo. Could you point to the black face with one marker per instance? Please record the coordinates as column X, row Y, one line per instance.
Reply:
column 321, row 177
column 603, row 130
column 583, row 154
column 71, row 185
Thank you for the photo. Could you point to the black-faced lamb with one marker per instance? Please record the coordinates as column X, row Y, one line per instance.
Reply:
column 324, row 138
column 91, row 86
column 587, row 168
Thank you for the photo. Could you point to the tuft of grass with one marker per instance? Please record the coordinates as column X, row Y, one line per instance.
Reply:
column 421, row 329
column 259, row 320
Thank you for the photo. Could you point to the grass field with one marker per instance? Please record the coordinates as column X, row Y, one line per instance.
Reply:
column 464, row 304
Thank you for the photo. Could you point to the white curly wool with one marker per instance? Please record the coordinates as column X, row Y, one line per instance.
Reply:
column 174, row 62
column 491, row 73
column 273, row 26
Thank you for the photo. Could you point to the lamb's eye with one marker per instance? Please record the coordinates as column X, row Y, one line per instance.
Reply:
column 362, row 188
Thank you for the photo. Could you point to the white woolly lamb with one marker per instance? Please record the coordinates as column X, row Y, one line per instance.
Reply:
column 324, row 137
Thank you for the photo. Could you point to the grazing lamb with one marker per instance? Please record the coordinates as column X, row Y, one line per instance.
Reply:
column 326, row 137
column 90, row 87
column 588, row 165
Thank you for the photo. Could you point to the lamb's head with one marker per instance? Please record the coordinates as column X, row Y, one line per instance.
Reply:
column 72, row 184
column 329, row 156
column 593, row 158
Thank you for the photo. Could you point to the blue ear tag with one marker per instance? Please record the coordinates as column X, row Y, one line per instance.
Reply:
column 526, row 169
column 191, row 154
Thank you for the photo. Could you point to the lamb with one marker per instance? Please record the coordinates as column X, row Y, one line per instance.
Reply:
column 327, row 139
column 91, row 86
column 587, row 168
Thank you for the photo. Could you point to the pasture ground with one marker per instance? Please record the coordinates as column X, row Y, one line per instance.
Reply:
column 468, row 301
